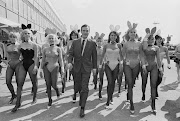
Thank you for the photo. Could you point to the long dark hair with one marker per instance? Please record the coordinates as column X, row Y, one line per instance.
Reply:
column 158, row 37
column 114, row 32
column 73, row 32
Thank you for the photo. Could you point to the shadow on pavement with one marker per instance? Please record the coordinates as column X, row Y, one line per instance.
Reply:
column 172, row 107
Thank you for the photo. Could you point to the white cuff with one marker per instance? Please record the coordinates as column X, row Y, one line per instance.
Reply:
column 160, row 69
column 121, row 62
column 143, row 66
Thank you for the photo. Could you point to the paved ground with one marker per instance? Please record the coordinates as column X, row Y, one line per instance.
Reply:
column 168, row 104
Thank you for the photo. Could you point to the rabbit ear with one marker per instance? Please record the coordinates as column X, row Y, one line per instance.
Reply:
column 71, row 27
column 129, row 25
column 54, row 31
column 91, row 37
column 111, row 27
column 134, row 25
column 29, row 26
column 117, row 27
column 76, row 27
column 96, row 36
column 147, row 31
column 153, row 30
column 158, row 32
column 102, row 35
column 23, row 26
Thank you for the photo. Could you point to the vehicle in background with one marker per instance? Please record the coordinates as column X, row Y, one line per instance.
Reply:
column 171, row 49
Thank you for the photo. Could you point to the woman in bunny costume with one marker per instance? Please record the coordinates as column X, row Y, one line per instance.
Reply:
column 74, row 35
column 29, row 64
column 151, row 64
column 13, row 59
column 114, row 61
column 177, row 61
column 132, row 53
column 163, row 50
column 100, row 71
column 51, row 56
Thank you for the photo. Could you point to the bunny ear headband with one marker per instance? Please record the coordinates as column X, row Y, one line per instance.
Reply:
column 74, row 28
column 152, row 32
column 158, row 33
column 99, row 37
column 50, row 31
column 26, row 27
column 115, row 28
column 130, row 26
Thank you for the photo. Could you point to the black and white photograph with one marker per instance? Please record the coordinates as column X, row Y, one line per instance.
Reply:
column 89, row 60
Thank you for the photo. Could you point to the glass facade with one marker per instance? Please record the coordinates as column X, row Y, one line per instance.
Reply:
column 37, row 12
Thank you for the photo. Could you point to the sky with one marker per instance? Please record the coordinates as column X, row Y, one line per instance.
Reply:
column 100, row 14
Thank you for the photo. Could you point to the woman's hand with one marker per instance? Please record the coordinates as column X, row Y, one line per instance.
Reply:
column 168, row 66
column 144, row 69
column 35, row 69
column 161, row 71
column 41, row 73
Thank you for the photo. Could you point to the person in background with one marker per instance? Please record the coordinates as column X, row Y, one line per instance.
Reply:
column 74, row 35
column 100, row 71
column 13, row 62
column 163, row 51
column 177, row 61
column 2, row 55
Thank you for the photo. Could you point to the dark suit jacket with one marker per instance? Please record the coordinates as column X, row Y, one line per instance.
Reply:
column 89, row 58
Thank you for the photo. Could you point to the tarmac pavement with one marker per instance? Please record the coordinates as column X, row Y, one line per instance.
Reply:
column 62, row 109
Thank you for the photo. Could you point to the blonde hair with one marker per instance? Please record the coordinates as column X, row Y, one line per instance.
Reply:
column 22, row 34
column 56, row 40
column 15, row 34
column 127, row 37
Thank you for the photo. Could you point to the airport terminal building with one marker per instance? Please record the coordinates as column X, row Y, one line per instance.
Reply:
column 39, row 13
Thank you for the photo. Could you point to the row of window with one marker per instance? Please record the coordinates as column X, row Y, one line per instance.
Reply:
column 34, row 14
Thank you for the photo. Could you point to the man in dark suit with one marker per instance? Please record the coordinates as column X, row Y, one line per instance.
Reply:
column 83, row 52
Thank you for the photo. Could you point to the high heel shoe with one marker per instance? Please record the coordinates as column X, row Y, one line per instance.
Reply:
column 15, row 108
column 143, row 98
column 12, row 98
column 132, row 108
column 49, row 103
column 34, row 101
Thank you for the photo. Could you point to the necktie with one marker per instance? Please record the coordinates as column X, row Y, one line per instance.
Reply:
column 82, row 45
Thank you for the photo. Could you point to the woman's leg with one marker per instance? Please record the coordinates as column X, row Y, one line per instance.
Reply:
column 33, row 78
column 101, row 76
column 47, row 76
column 54, row 78
column 178, row 74
column 21, row 79
column 95, row 80
column 9, row 74
column 131, row 75
column 153, row 81
column 114, row 77
column 109, row 86
column 144, row 77
column 120, row 81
